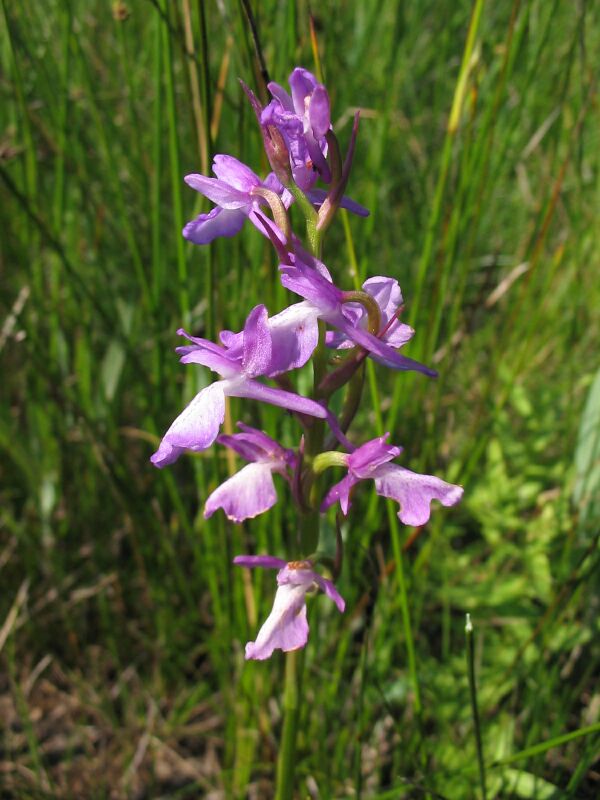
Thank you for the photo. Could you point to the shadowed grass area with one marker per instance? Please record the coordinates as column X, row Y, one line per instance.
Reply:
column 122, row 619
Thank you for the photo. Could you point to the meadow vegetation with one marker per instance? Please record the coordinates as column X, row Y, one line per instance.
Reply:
column 122, row 619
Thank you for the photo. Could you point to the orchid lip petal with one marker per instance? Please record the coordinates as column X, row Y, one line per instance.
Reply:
column 245, row 495
column 196, row 428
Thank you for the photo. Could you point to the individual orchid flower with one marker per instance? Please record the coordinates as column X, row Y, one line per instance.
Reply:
column 303, row 120
column 286, row 627
column 412, row 491
column 197, row 427
column 313, row 282
column 238, row 194
column 251, row 491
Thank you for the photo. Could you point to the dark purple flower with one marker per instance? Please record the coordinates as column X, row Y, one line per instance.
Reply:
column 197, row 427
column 309, row 278
column 250, row 491
column 303, row 120
column 412, row 491
column 286, row 627
column 234, row 193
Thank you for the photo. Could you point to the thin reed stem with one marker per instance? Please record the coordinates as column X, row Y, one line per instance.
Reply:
column 286, row 761
column 474, row 706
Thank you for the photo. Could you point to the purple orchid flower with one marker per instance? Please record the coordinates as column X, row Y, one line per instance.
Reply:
column 309, row 278
column 233, row 192
column 197, row 427
column 412, row 491
column 286, row 627
column 250, row 491
column 303, row 120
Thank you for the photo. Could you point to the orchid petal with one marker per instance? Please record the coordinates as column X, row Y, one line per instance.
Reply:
column 340, row 492
column 221, row 193
column 245, row 495
column 302, row 83
column 231, row 171
column 217, row 222
column 371, row 455
column 196, row 428
column 280, row 94
column 332, row 593
column 257, row 346
column 414, row 492
column 319, row 114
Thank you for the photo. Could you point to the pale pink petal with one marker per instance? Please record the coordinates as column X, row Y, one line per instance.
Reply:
column 245, row 495
column 285, row 628
column 196, row 428
column 414, row 492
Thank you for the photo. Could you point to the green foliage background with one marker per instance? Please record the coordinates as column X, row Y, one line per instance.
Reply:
column 122, row 620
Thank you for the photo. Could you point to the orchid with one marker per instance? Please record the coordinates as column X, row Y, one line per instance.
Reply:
column 197, row 427
column 250, row 491
column 239, row 194
column 286, row 627
column 302, row 148
column 413, row 492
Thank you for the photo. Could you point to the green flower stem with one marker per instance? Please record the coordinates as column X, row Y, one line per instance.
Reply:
column 286, row 761
column 352, row 398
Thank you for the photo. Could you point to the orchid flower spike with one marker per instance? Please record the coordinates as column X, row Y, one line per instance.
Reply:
column 251, row 491
column 413, row 492
column 286, row 627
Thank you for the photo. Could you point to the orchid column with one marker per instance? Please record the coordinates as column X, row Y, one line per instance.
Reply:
column 334, row 329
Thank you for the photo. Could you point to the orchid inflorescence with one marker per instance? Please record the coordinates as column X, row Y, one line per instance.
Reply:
column 336, row 328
